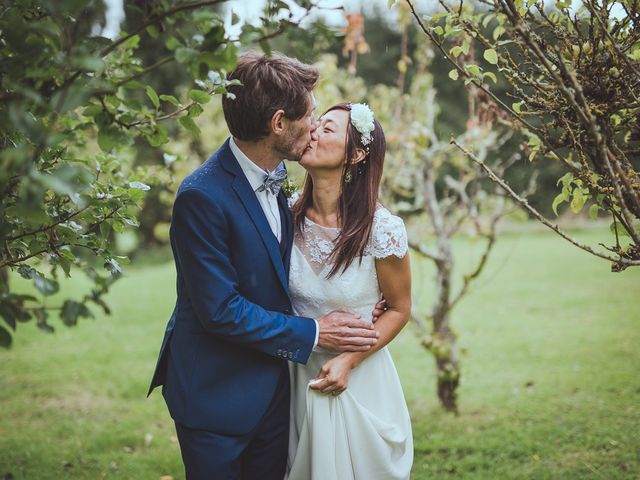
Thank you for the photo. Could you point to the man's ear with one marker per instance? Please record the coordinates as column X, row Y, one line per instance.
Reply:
column 359, row 156
column 278, row 122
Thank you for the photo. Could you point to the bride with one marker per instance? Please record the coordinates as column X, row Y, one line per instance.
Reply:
column 349, row 416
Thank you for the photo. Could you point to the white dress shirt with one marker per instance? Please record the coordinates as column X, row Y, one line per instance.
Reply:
column 268, row 201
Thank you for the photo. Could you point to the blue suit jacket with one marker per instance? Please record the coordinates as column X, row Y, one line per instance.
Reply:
column 232, row 329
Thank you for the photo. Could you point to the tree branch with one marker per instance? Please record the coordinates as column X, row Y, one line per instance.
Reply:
column 525, row 204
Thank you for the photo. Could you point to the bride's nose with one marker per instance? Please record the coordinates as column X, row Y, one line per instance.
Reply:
column 314, row 130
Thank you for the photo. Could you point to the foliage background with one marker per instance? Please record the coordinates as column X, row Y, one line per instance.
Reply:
column 549, row 384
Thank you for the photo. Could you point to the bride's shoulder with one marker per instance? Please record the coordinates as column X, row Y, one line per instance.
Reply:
column 388, row 235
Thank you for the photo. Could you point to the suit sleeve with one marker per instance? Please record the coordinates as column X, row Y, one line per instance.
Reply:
column 201, row 241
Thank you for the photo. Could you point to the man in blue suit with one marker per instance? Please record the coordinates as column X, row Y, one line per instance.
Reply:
column 223, row 360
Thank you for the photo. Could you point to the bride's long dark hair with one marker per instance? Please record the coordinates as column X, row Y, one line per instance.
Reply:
column 358, row 197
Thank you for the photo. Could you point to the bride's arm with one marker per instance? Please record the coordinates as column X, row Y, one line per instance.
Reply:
column 394, row 279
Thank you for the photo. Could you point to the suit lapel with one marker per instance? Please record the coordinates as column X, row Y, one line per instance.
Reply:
column 287, row 229
column 250, row 202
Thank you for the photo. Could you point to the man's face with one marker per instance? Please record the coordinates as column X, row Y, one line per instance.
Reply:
column 299, row 134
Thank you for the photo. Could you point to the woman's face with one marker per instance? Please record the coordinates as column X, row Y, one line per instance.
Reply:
column 328, row 151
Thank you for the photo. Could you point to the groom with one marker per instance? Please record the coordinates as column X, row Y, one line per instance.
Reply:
column 223, row 360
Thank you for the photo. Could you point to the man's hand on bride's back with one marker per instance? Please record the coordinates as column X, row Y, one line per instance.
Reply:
column 346, row 332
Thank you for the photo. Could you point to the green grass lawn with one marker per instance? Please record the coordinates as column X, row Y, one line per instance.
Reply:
column 550, row 386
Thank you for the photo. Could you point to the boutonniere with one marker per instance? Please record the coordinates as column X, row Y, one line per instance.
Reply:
column 289, row 187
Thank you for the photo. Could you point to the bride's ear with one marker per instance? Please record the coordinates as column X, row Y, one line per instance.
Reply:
column 359, row 156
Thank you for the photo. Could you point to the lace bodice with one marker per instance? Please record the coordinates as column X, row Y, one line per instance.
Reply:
column 356, row 289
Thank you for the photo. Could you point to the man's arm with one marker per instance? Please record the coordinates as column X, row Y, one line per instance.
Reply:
column 200, row 235
column 201, row 240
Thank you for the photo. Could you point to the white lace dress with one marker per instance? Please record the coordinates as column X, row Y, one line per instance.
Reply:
column 364, row 433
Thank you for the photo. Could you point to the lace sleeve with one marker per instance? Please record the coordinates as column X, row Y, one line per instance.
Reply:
column 388, row 236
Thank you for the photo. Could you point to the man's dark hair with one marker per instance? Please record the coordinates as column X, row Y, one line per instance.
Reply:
column 269, row 84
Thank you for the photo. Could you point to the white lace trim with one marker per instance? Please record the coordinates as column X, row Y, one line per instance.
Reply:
column 388, row 237
column 319, row 248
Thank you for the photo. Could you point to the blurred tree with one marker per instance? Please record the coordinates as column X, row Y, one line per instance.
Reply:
column 73, row 108
column 429, row 182
column 574, row 76
column 441, row 194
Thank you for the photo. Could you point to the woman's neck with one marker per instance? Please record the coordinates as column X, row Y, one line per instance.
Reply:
column 326, row 193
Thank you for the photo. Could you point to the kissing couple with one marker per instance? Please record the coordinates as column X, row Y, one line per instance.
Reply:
column 274, row 363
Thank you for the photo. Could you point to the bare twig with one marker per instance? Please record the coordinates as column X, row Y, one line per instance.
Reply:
column 541, row 218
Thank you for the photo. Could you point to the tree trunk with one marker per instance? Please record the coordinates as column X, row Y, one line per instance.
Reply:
column 443, row 340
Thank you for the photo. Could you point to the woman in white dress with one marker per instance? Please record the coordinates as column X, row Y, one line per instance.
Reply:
column 349, row 416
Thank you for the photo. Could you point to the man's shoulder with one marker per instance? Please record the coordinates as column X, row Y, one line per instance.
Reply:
column 210, row 177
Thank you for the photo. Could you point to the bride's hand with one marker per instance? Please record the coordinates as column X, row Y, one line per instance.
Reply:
column 333, row 377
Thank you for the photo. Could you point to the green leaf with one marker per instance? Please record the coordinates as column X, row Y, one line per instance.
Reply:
column 5, row 338
column 112, row 265
column 593, row 211
column 456, row 51
column 194, row 110
column 266, row 47
column 71, row 97
column 132, row 43
column 491, row 75
column 473, row 69
column 171, row 99
column 153, row 31
column 72, row 310
column 160, row 136
column 27, row 272
column 561, row 197
column 66, row 266
column 199, row 96
column 453, row 74
column 153, row 96
column 41, row 315
column 566, row 179
column 617, row 226
column 517, row 106
column 8, row 316
column 46, row 286
column 110, row 137
column 577, row 201
column 190, row 125
column 172, row 43
column 185, row 54
column 491, row 56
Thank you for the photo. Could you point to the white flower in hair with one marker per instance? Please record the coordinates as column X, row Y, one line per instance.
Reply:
column 362, row 119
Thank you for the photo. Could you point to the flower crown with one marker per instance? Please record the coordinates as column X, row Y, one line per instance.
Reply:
column 362, row 119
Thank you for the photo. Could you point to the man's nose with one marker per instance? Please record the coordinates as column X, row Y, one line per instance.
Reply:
column 314, row 130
